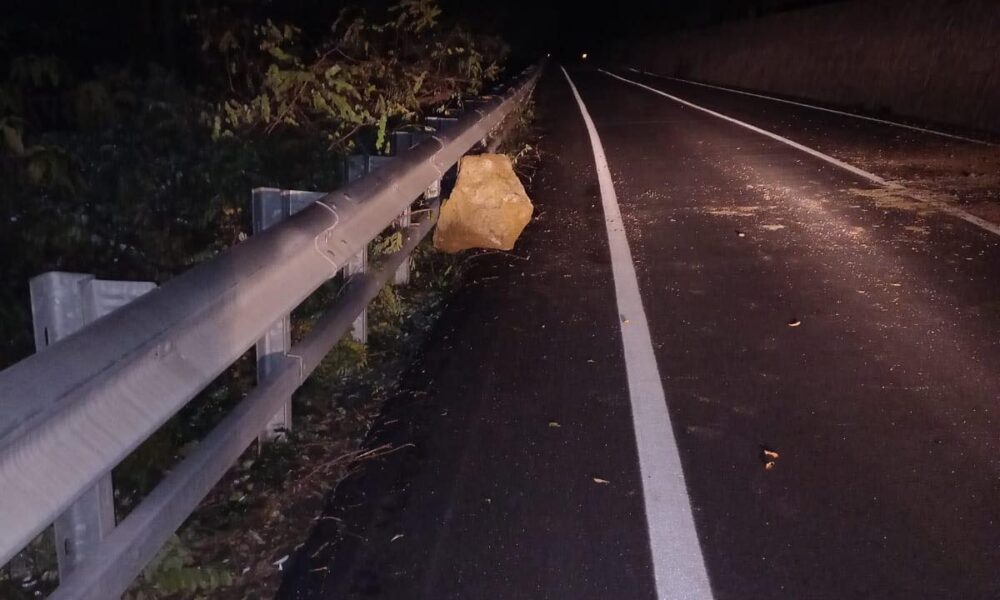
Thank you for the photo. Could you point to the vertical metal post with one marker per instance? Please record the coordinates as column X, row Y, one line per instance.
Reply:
column 357, row 266
column 269, row 207
column 402, row 276
column 62, row 303
column 433, row 190
column 357, row 167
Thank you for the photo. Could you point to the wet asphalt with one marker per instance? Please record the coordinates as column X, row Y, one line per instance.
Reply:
column 792, row 307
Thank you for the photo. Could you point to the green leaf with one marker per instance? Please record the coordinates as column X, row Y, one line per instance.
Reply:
column 381, row 141
column 279, row 54
column 418, row 82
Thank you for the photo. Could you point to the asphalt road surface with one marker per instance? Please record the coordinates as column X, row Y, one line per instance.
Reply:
column 791, row 306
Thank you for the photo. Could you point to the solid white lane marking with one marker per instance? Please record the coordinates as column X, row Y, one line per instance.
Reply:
column 944, row 207
column 678, row 565
column 961, row 214
column 825, row 109
column 825, row 157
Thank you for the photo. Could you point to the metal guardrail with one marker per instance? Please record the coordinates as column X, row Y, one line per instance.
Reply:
column 70, row 414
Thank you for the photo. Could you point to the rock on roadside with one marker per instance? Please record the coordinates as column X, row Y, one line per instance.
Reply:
column 487, row 209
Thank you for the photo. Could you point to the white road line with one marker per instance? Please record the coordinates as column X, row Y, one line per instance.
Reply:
column 950, row 209
column 826, row 157
column 961, row 214
column 678, row 565
column 824, row 109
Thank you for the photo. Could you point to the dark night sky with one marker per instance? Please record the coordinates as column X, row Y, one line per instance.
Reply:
column 137, row 28
column 567, row 26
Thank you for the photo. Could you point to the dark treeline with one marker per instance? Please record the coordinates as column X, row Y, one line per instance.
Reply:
column 132, row 132
column 158, row 31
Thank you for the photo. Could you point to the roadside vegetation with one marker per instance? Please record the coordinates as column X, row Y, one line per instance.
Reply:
column 139, row 170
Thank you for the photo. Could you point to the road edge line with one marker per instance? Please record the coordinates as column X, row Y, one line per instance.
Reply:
column 844, row 113
column 811, row 151
column 678, row 563
column 949, row 209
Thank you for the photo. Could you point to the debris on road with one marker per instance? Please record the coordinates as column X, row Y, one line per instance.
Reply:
column 554, row 424
column 487, row 209
column 769, row 457
column 600, row 481
column 794, row 323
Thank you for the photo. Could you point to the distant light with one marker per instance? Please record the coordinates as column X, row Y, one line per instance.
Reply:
column 584, row 56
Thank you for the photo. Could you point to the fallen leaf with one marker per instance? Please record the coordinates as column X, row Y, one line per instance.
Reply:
column 769, row 457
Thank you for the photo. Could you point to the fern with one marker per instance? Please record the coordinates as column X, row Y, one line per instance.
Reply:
column 388, row 244
column 172, row 572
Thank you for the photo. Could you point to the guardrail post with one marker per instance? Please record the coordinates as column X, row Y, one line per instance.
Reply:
column 402, row 276
column 62, row 303
column 433, row 190
column 357, row 266
column 269, row 207
column 356, row 167
column 404, row 140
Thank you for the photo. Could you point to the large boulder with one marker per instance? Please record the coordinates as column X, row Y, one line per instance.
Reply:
column 487, row 209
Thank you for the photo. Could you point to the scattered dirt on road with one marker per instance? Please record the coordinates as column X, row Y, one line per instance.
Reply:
column 897, row 198
column 736, row 210
column 918, row 229
column 958, row 174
